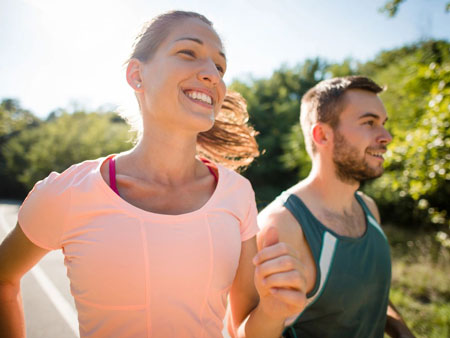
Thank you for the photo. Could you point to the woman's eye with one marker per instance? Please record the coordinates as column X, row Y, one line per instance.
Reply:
column 187, row 52
column 220, row 69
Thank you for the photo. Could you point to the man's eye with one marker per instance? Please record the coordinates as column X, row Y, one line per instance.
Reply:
column 370, row 123
column 187, row 52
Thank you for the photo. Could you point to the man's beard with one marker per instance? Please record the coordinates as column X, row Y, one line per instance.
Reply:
column 349, row 166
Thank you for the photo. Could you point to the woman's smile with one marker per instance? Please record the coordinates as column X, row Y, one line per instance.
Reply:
column 200, row 97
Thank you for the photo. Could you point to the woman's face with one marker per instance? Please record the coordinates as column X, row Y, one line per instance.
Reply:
column 182, row 84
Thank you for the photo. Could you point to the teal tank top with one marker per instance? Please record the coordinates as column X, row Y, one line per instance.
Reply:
column 351, row 293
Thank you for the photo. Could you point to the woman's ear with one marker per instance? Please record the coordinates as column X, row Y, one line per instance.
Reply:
column 134, row 78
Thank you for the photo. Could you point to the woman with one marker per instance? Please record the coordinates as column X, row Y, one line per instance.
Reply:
column 156, row 238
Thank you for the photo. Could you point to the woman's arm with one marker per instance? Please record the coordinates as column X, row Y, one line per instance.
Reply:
column 243, row 296
column 278, row 281
column 17, row 255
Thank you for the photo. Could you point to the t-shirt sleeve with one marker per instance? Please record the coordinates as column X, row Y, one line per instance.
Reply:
column 43, row 214
column 249, row 226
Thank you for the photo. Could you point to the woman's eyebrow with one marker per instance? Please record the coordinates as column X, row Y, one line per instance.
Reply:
column 200, row 42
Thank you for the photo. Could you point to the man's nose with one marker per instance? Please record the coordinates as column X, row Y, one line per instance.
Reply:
column 385, row 137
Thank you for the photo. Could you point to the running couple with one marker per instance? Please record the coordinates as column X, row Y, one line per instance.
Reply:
column 159, row 240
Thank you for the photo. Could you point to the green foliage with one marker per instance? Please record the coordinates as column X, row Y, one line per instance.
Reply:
column 421, row 281
column 295, row 156
column 391, row 7
column 274, row 106
column 13, row 120
column 61, row 142
column 346, row 68
column 415, row 186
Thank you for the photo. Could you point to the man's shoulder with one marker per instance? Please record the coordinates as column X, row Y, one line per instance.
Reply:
column 273, row 214
column 278, row 216
column 371, row 204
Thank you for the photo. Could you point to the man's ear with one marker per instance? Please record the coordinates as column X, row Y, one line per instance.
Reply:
column 322, row 134
column 134, row 77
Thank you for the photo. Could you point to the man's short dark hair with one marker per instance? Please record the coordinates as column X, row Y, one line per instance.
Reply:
column 323, row 103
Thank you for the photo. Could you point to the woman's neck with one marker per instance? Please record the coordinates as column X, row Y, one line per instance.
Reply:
column 168, row 159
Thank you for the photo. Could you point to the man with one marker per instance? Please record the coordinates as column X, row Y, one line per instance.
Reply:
column 333, row 229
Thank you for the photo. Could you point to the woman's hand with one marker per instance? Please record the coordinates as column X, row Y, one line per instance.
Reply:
column 279, row 277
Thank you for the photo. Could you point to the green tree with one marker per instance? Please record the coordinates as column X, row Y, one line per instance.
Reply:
column 391, row 7
column 415, row 186
column 274, row 105
column 63, row 141
column 13, row 120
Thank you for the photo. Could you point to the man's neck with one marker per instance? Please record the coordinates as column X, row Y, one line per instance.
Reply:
column 323, row 188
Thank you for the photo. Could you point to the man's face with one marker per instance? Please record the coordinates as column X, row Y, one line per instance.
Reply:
column 360, row 139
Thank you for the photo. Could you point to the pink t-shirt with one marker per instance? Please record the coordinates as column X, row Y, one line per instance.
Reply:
column 134, row 273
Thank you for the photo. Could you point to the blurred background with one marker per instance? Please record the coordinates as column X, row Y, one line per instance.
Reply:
column 63, row 81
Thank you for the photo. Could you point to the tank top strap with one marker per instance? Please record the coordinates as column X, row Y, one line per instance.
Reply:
column 313, row 233
column 321, row 242
column 371, row 220
column 363, row 204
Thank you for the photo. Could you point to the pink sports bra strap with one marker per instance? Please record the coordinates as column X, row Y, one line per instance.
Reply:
column 213, row 173
column 112, row 175
column 210, row 169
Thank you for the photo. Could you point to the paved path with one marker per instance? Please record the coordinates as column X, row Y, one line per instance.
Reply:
column 48, row 305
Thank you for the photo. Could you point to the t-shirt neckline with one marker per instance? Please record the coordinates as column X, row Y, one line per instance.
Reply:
column 123, row 204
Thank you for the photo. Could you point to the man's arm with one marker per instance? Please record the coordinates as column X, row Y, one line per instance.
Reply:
column 395, row 325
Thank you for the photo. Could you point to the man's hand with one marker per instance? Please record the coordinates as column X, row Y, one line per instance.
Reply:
column 279, row 277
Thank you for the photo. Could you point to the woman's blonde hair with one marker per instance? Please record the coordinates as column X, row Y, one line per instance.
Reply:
column 231, row 141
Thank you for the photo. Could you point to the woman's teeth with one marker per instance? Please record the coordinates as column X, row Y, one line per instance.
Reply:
column 199, row 96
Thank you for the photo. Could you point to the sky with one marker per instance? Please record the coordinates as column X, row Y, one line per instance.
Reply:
column 70, row 54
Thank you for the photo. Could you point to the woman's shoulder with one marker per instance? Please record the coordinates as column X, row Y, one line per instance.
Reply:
column 57, row 182
column 231, row 179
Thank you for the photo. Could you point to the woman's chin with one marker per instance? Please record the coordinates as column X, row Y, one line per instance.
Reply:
column 204, row 122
